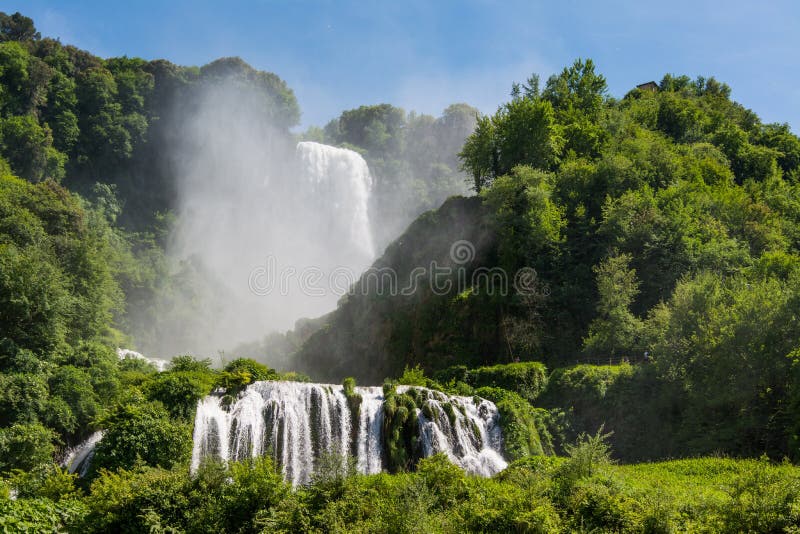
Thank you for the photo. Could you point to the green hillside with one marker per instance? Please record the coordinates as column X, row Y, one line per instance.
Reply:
column 624, row 286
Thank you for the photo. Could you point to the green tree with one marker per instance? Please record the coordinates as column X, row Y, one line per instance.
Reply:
column 28, row 148
column 17, row 27
column 25, row 446
column 179, row 391
column 577, row 87
column 527, row 135
column 141, row 433
column 480, row 156
column 525, row 216
column 615, row 330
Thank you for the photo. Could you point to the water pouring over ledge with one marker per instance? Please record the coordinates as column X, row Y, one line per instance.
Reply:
column 339, row 184
column 298, row 423
column 251, row 235
column 79, row 458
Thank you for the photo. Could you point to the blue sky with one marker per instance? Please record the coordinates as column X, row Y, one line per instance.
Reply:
column 424, row 55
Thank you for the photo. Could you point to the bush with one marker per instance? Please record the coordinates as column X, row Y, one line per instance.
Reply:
column 524, row 430
column 446, row 481
column 25, row 446
column 243, row 371
column 528, row 379
column 255, row 370
column 40, row 515
column 47, row 481
column 141, row 433
column 399, row 428
column 762, row 499
column 179, row 391
column 135, row 501
column 353, row 399
column 599, row 504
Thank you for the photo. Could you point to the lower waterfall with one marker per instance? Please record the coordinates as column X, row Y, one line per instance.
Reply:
column 300, row 423
column 468, row 433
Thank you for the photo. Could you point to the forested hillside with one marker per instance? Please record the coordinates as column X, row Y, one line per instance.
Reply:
column 663, row 231
column 73, row 117
column 638, row 300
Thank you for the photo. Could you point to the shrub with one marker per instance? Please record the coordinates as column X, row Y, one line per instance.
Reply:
column 523, row 425
column 179, row 391
column 25, row 446
column 528, row 379
column 762, row 499
column 135, row 501
column 141, row 433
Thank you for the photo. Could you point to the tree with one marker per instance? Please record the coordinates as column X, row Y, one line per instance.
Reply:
column 73, row 387
column 378, row 129
column 527, row 220
column 480, row 156
column 34, row 304
column 615, row 330
column 527, row 135
column 522, row 132
column 243, row 371
column 28, row 148
column 577, row 87
column 780, row 138
column 25, row 446
column 17, row 27
column 263, row 92
column 141, row 432
column 179, row 391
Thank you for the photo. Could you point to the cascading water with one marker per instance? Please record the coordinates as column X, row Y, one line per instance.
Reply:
column 265, row 244
column 299, row 423
column 294, row 422
column 370, row 425
column 125, row 354
column 340, row 178
column 468, row 432
column 79, row 458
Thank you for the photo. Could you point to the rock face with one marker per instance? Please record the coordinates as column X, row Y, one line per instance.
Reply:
column 378, row 329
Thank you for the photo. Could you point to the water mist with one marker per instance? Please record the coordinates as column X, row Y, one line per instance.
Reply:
column 257, row 213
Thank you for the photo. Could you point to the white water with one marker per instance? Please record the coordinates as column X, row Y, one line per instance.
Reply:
column 159, row 364
column 268, row 241
column 340, row 182
column 369, row 459
column 301, row 424
column 472, row 440
column 79, row 457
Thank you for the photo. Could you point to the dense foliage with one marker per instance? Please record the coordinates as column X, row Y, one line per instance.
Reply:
column 659, row 229
column 580, row 493
column 659, row 236
column 68, row 115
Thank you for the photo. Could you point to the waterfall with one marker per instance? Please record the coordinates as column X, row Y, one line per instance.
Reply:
column 78, row 458
column 294, row 422
column 340, row 181
column 302, row 425
column 370, row 426
column 468, row 432
column 124, row 354
column 267, row 240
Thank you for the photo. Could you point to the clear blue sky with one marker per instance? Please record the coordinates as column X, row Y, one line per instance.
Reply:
column 424, row 55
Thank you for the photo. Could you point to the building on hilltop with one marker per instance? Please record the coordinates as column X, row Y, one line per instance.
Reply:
column 649, row 86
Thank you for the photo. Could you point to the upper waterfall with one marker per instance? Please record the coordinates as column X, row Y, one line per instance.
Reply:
column 339, row 183
column 264, row 241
